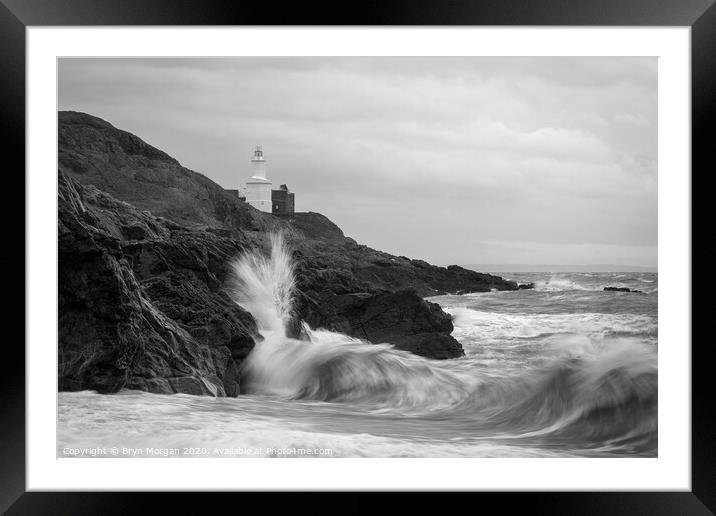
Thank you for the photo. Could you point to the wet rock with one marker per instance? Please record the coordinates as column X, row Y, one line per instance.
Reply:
column 195, row 385
column 151, row 314
column 145, row 247
column 430, row 345
column 622, row 289
column 400, row 318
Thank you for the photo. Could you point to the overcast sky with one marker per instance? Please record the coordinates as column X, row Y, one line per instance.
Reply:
column 453, row 160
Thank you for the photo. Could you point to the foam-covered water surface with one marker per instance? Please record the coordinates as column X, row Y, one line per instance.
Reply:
column 565, row 369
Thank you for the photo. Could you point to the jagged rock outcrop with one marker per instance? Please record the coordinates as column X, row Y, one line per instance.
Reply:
column 117, row 162
column 145, row 247
column 142, row 302
column 344, row 266
column 94, row 152
column 401, row 318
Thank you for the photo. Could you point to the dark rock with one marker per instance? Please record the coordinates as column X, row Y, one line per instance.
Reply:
column 431, row 345
column 144, row 252
column 193, row 385
column 134, row 232
column 150, row 314
column 95, row 152
column 341, row 267
column 400, row 318
column 157, row 385
column 526, row 286
column 316, row 226
column 622, row 289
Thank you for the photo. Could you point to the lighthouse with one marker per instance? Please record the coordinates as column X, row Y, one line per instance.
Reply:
column 258, row 186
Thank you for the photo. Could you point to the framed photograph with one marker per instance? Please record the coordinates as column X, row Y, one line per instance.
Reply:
column 440, row 249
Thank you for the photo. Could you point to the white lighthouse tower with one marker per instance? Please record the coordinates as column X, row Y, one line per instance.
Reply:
column 258, row 187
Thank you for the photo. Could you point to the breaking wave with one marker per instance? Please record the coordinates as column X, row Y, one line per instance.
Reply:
column 594, row 392
column 557, row 284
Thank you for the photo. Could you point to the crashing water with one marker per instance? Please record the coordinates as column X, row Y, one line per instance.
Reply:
column 562, row 370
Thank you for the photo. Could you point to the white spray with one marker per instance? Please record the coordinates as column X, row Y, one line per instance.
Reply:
column 603, row 389
column 331, row 365
column 263, row 286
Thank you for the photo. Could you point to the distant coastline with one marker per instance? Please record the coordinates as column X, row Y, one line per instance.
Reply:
column 547, row 267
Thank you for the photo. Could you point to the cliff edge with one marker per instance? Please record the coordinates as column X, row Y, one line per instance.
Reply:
column 145, row 247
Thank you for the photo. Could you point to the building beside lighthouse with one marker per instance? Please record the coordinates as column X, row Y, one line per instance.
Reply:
column 258, row 193
column 282, row 200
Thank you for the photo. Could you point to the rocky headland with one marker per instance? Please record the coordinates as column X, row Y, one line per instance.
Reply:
column 145, row 247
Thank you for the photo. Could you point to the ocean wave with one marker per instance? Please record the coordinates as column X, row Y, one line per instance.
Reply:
column 484, row 325
column 557, row 284
column 587, row 392
column 337, row 368
column 595, row 283
column 596, row 393
column 594, row 396
column 239, row 427
column 590, row 391
column 586, row 388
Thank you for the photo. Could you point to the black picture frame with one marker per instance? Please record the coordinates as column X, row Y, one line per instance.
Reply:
column 17, row 15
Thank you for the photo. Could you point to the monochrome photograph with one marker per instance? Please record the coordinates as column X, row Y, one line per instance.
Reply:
column 346, row 257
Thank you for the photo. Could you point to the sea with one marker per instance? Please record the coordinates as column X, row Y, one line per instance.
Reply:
column 562, row 370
